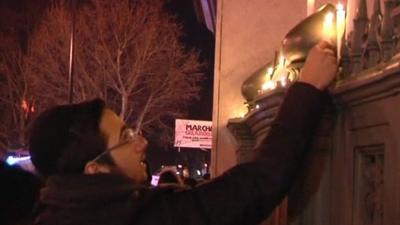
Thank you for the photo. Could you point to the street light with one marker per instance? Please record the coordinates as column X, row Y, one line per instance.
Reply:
column 71, row 53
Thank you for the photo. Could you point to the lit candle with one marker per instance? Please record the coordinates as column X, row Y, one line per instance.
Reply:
column 340, row 27
column 328, row 31
column 310, row 7
column 269, row 85
column 283, row 81
column 265, row 86
column 270, row 72
column 282, row 61
column 273, row 85
column 240, row 111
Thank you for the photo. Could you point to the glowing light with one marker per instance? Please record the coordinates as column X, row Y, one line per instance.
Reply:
column 270, row 71
column 205, row 165
column 283, row 81
column 340, row 27
column 310, row 7
column 178, row 173
column 291, row 77
column 265, row 86
column 241, row 111
column 198, row 172
column 257, row 106
column 24, row 105
column 329, row 31
column 340, row 7
column 154, row 180
column 282, row 61
column 273, row 85
column 269, row 85
column 329, row 19
column 179, row 166
column 11, row 160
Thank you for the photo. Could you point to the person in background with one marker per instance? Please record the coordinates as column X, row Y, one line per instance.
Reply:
column 169, row 177
column 95, row 172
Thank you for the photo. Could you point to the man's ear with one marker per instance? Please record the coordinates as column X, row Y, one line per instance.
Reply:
column 93, row 167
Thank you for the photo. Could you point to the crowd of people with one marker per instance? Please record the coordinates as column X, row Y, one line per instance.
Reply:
column 93, row 166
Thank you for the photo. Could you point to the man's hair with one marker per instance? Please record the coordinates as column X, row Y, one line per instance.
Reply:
column 64, row 138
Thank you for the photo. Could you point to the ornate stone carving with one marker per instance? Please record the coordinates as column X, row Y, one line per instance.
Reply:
column 369, row 189
column 345, row 61
column 373, row 49
column 388, row 30
column 360, row 27
column 396, row 24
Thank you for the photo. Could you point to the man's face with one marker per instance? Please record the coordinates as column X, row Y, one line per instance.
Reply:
column 128, row 156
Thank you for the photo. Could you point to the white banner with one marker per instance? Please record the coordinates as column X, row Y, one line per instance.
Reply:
column 193, row 134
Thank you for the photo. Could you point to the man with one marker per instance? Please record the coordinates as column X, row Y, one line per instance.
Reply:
column 95, row 170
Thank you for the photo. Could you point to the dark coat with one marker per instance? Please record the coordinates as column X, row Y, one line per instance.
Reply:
column 245, row 194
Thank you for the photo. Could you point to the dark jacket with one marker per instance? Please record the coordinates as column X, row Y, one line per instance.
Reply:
column 245, row 194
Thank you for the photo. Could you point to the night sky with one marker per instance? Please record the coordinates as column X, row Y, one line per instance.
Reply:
column 196, row 35
column 19, row 18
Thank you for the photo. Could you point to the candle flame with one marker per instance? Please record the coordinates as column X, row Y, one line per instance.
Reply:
column 340, row 28
column 329, row 31
column 340, row 7
column 329, row 19
column 270, row 71
column 269, row 85
column 283, row 81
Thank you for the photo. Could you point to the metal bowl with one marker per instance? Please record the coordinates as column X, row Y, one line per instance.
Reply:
column 253, row 84
column 298, row 42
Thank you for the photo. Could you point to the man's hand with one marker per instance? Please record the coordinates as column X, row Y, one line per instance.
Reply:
column 320, row 67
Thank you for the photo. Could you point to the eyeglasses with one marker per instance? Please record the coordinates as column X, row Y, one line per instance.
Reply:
column 128, row 135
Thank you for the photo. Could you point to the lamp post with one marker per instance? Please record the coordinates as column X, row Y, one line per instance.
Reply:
column 71, row 53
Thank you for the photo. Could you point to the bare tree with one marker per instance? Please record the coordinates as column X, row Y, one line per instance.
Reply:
column 17, row 104
column 127, row 52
